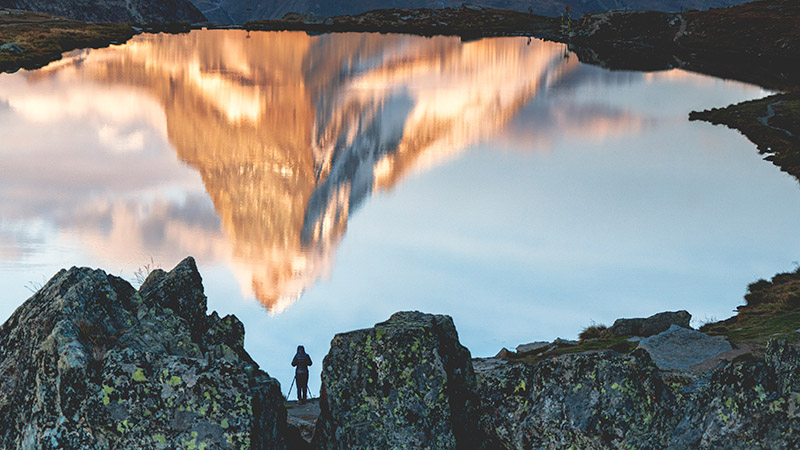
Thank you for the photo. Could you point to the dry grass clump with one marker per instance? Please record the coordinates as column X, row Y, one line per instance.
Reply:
column 597, row 331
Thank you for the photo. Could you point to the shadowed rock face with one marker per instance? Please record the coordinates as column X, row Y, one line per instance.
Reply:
column 406, row 383
column 594, row 400
column 606, row 400
column 749, row 405
column 90, row 363
column 136, row 11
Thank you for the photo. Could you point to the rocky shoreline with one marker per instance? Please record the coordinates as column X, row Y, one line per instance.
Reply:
column 90, row 362
column 772, row 123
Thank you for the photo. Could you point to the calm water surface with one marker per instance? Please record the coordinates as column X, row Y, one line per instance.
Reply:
column 325, row 182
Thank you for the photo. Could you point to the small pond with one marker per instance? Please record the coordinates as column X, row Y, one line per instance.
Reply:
column 325, row 182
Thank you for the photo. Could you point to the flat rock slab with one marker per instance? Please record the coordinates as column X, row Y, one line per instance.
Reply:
column 483, row 366
column 304, row 416
column 524, row 348
column 679, row 348
column 11, row 47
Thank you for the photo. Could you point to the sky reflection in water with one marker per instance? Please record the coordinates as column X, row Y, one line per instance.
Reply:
column 517, row 190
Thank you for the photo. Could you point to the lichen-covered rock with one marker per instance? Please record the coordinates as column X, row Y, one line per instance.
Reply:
column 590, row 401
column 606, row 400
column 746, row 405
column 406, row 383
column 90, row 363
column 649, row 326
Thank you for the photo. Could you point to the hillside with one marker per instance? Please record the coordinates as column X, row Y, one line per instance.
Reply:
column 135, row 11
column 240, row 11
column 31, row 40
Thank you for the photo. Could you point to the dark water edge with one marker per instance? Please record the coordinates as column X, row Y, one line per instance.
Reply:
column 771, row 123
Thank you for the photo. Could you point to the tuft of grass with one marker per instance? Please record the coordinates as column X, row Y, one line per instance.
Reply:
column 594, row 331
column 35, row 286
column 141, row 274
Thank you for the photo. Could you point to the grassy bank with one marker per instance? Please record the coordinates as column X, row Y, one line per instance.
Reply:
column 772, row 123
column 771, row 311
column 40, row 38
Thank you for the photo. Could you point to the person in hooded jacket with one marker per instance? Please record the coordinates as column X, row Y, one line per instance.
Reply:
column 301, row 361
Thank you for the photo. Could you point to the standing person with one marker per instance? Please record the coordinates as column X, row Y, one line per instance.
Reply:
column 301, row 360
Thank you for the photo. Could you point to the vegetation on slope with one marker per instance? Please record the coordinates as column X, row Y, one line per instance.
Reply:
column 42, row 38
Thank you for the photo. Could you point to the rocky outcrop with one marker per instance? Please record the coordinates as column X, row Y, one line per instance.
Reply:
column 652, row 325
column 746, row 405
column 589, row 400
column 607, row 400
column 394, row 384
column 90, row 363
column 136, row 11
column 406, row 383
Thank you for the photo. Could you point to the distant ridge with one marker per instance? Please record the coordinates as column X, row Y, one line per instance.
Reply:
column 135, row 11
column 240, row 11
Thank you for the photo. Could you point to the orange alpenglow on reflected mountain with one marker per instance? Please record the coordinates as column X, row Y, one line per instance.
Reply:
column 290, row 133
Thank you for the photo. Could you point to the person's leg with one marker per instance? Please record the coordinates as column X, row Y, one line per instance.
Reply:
column 302, row 386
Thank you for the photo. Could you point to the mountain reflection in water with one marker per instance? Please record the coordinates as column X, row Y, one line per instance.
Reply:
column 570, row 193
column 290, row 133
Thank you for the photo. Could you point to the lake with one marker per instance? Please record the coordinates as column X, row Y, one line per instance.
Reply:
column 324, row 182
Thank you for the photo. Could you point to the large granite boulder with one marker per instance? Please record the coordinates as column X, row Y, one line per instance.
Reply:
column 406, row 383
column 679, row 348
column 90, row 363
column 592, row 400
column 651, row 325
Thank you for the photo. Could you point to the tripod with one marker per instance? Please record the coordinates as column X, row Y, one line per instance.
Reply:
column 311, row 394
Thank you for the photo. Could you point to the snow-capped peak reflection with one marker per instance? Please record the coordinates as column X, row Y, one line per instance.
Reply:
column 289, row 134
